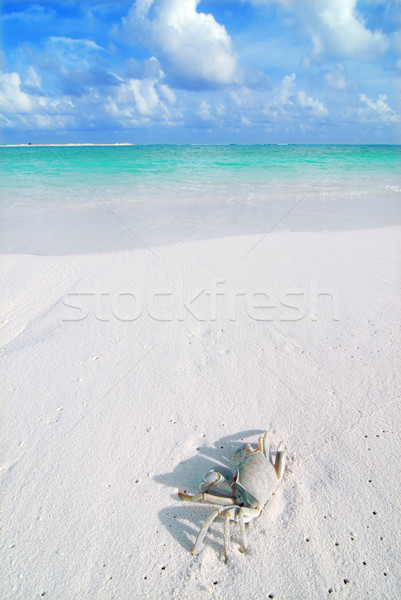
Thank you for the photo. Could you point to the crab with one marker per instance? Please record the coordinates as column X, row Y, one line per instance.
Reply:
column 254, row 482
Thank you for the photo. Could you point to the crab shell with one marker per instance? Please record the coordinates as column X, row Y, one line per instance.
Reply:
column 255, row 480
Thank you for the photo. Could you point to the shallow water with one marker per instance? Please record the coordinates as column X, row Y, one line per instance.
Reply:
column 78, row 199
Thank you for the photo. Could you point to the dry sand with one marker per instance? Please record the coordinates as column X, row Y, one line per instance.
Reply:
column 129, row 375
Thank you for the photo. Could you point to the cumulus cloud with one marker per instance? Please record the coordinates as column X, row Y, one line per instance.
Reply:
column 193, row 49
column 315, row 107
column 285, row 91
column 11, row 95
column 289, row 103
column 140, row 102
column 340, row 31
column 140, row 93
column 39, row 111
column 376, row 109
column 123, row 103
column 336, row 28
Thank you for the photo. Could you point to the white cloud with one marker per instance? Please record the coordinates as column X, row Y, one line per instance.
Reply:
column 139, row 101
column 73, row 43
column 33, row 79
column 378, row 109
column 316, row 107
column 335, row 27
column 245, row 98
column 11, row 94
column 129, row 103
column 168, row 94
column 145, row 96
column 32, row 13
column 284, row 93
column 336, row 79
column 71, row 52
column 21, row 108
column 288, row 103
column 343, row 33
column 138, row 93
column 204, row 111
column 194, row 50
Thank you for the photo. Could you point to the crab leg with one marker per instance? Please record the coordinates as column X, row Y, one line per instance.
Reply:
column 266, row 446
column 244, row 537
column 280, row 460
column 203, row 531
column 227, row 533
column 209, row 498
column 228, row 513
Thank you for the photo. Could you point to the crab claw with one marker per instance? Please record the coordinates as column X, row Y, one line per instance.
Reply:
column 209, row 479
column 216, row 482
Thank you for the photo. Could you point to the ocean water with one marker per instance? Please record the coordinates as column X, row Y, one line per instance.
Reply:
column 74, row 199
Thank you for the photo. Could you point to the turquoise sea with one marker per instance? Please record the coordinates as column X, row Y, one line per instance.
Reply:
column 72, row 199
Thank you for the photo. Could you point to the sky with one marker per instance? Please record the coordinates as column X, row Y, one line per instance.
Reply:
column 200, row 71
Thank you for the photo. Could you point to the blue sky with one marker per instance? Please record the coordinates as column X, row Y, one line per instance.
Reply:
column 188, row 71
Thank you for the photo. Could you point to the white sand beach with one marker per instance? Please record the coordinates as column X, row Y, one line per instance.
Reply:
column 129, row 375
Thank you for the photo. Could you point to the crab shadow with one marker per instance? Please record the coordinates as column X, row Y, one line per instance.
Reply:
column 184, row 520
